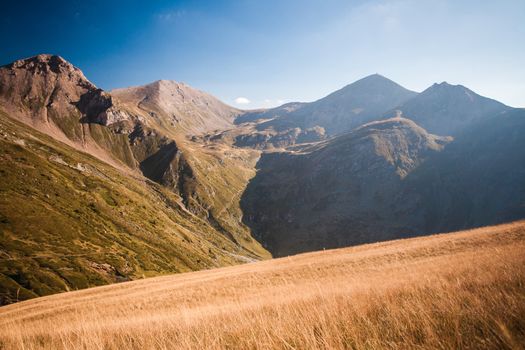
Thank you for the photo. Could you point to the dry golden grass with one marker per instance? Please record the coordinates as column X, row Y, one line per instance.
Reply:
column 460, row 290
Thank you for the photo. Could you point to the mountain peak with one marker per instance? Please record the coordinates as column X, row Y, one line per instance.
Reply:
column 375, row 76
column 44, row 63
column 445, row 86
column 169, row 90
column 373, row 80
column 446, row 90
column 446, row 109
column 178, row 105
column 167, row 83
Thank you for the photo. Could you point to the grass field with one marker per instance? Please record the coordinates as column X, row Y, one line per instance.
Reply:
column 462, row 290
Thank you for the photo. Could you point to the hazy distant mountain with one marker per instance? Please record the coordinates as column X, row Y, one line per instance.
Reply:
column 446, row 109
column 349, row 107
column 271, row 113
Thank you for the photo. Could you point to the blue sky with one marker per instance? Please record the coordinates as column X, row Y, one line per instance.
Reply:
column 269, row 52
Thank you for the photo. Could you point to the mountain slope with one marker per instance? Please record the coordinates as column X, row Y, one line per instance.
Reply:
column 457, row 290
column 388, row 179
column 178, row 106
column 70, row 221
column 355, row 104
column 479, row 179
column 343, row 192
column 445, row 109
column 202, row 183
column 146, row 133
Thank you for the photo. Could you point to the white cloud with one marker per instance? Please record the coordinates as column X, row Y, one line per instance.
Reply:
column 242, row 101
column 270, row 103
column 171, row 15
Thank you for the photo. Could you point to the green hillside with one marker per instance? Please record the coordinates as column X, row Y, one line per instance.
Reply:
column 69, row 221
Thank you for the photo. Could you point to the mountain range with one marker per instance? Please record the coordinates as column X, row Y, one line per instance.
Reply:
column 104, row 186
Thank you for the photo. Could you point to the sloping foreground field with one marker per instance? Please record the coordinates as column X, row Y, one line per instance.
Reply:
column 458, row 290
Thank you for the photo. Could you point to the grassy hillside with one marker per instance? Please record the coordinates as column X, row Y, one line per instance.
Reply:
column 69, row 221
column 458, row 290
column 52, row 96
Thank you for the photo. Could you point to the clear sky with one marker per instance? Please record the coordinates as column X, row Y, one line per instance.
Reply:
column 255, row 53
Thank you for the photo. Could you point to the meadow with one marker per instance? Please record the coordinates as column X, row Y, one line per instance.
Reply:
column 463, row 290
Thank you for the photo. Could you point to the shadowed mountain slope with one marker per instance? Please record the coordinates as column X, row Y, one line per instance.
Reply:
column 446, row 109
column 479, row 179
column 345, row 191
column 388, row 179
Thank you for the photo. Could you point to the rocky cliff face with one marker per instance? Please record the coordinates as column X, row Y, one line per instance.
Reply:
column 54, row 97
column 48, row 91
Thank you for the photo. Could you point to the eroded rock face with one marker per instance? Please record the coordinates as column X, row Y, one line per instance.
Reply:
column 98, row 107
column 269, row 139
column 52, row 91
column 36, row 87
column 93, row 103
